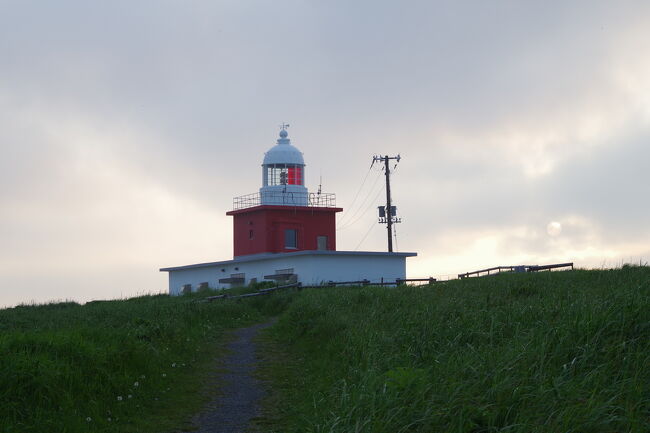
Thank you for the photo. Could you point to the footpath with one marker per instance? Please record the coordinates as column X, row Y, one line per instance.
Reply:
column 240, row 393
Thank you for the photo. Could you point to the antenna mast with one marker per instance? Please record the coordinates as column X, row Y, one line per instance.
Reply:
column 388, row 214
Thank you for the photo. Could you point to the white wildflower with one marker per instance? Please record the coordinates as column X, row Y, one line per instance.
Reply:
column 173, row 365
column 136, row 384
column 129, row 396
column 164, row 375
column 89, row 419
column 142, row 376
column 119, row 398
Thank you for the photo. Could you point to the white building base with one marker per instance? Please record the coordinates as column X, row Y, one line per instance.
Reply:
column 306, row 267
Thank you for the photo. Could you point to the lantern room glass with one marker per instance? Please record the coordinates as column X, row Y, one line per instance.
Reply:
column 283, row 174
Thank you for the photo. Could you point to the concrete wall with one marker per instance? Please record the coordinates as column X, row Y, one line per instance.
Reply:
column 318, row 269
column 311, row 269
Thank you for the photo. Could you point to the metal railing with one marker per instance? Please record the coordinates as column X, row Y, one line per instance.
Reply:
column 279, row 198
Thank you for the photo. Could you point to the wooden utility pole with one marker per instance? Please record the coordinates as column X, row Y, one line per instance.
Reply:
column 390, row 218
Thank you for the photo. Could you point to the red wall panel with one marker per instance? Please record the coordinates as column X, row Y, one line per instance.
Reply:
column 268, row 224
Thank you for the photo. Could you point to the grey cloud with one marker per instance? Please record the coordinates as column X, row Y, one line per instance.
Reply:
column 609, row 185
column 111, row 107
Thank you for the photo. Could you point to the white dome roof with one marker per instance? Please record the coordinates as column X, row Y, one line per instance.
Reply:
column 283, row 152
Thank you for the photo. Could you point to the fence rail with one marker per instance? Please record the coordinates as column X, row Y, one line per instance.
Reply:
column 396, row 282
column 549, row 267
column 519, row 268
column 260, row 292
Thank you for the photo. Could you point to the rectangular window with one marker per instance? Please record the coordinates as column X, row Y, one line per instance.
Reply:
column 283, row 174
column 276, row 174
column 251, row 235
column 294, row 176
column 321, row 243
column 291, row 238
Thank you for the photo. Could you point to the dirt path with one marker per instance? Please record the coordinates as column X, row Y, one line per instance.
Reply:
column 240, row 392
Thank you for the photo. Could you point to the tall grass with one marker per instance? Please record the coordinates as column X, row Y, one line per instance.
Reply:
column 547, row 352
column 122, row 366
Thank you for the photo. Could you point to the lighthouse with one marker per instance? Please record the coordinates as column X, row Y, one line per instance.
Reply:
column 283, row 216
column 284, row 233
column 283, row 174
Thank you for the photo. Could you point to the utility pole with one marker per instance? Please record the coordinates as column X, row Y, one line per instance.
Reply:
column 388, row 218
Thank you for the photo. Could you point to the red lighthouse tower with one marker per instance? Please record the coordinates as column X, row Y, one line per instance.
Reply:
column 283, row 217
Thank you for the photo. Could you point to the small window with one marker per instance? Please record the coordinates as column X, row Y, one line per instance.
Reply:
column 284, row 271
column 321, row 243
column 291, row 238
column 251, row 235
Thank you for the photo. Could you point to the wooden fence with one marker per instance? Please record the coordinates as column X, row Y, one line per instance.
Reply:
column 522, row 268
column 396, row 282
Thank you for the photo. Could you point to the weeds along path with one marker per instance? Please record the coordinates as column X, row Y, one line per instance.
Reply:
column 240, row 392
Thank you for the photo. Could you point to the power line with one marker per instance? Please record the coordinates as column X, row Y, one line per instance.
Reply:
column 365, row 236
column 372, row 189
column 363, row 203
column 354, row 200
column 370, row 206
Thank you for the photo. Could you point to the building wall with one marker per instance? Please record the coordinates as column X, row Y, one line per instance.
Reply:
column 318, row 269
column 261, row 229
column 310, row 269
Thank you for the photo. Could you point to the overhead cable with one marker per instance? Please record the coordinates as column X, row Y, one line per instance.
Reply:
column 365, row 200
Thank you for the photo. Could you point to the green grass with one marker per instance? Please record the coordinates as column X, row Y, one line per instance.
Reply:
column 545, row 352
column 133, row 365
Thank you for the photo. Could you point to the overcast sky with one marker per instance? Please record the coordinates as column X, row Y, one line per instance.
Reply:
column 127, row 127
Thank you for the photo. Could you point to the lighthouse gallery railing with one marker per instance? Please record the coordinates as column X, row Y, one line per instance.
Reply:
column 287, row 199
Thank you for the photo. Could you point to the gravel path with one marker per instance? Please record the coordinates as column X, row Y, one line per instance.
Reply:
column 240, row 392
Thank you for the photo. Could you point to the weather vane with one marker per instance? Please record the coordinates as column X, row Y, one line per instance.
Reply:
column 284, row 126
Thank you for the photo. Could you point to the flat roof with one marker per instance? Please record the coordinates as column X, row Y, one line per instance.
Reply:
column 270, row 256
column 284, row 207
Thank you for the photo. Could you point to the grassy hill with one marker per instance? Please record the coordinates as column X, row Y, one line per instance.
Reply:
column 133, row 365
column 545, row 352
column 548, row 352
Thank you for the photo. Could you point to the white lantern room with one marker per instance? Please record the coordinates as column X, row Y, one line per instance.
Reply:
column 283, row 175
